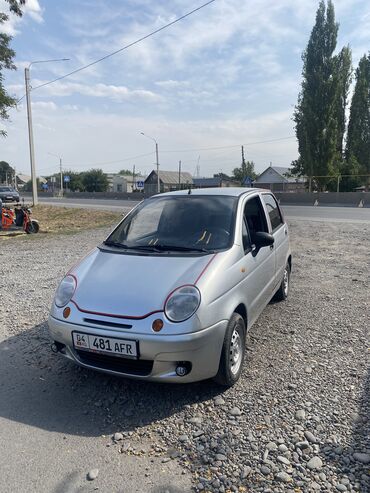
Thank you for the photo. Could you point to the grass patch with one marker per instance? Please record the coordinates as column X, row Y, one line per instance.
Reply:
column 66, row 220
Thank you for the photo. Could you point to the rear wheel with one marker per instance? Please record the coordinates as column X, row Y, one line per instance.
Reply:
column 32, row 227
column 233, row 352
column 283, row 291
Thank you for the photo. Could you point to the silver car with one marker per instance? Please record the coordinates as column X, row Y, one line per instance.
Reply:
column 170, row 294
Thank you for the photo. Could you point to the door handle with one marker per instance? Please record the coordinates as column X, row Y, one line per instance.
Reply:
column 285, row 231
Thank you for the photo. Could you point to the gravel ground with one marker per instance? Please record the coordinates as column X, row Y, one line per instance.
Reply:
column 298, row 419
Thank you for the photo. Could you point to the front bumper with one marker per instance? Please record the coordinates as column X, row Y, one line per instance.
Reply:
column 202, row 349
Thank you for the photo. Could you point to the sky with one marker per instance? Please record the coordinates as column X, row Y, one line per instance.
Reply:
column 225, row 76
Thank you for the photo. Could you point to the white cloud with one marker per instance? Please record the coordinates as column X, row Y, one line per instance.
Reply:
column 172, row 84
column 109, row 91
column 31, row 9
column 44, row 105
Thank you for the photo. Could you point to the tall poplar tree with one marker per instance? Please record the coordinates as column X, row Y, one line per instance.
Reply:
column 358, row 138
column 320, row 112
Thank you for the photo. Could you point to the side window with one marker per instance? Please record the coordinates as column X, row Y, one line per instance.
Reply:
column 273, row 211
column 254, row 216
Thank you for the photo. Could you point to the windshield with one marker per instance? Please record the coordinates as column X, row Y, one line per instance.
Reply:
column 5, row 189
column 178, row 223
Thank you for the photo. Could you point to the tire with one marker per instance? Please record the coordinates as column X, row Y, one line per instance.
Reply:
column 233, row 349
column 32, row 227
column 283, row 291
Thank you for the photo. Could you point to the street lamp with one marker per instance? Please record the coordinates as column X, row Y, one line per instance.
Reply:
column 61, row 172
column 156, row 158
column 30, row 129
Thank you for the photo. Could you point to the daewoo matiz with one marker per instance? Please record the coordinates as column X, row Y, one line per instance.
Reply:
column 170, row 294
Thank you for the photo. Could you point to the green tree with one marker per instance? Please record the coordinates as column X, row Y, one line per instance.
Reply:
column 320, row 112
column 358, row 137
column 94, row 180
column 245, row 170
column 6, row 172
column 28, row 185
column 76, row 181
column 6, row 62
column 125, row 172
column 342, row 82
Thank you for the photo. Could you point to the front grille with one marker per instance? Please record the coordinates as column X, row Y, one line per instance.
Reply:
column 107, row 324
column 116, row 363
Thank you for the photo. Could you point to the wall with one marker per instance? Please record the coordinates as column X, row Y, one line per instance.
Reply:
column 343, row 199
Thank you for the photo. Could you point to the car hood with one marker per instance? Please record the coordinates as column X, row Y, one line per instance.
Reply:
column 132, row 285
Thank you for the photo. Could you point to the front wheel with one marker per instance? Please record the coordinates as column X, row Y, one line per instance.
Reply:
column 32, row 227
column 283, row 291
column 233, row 352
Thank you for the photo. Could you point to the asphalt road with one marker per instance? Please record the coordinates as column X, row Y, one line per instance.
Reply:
column 309, row 213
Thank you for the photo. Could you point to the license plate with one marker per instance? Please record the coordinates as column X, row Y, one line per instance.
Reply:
column 106, row 345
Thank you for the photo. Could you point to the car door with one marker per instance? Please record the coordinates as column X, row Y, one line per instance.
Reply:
column 279, row 230
column 259, row 265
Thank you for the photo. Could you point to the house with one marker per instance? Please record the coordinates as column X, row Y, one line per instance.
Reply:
column 169, row 181
column 119, row 184
column 22, row 180
column 279, row 179
column 216, row 181
column 134, row 183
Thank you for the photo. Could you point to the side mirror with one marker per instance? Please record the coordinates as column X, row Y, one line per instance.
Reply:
column 262, row 239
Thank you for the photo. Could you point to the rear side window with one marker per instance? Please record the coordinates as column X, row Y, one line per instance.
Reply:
column 273, row 211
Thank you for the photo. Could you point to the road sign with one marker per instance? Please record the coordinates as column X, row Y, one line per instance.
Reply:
column 248, row 181
column 67, row 179
column 140, row 184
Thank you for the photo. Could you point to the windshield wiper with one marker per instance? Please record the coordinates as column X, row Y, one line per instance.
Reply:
column 156, row 248
column 175, row 248
column 115, row 244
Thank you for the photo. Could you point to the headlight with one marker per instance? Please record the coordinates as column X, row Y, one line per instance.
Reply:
column 182, row 303
column 65, row 291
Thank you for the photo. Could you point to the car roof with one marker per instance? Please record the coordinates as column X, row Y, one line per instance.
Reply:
column 227, row 191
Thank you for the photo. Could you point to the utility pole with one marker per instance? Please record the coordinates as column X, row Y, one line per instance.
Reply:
column 243, row 159
column 30, row 136
column 133, row 179
column 157, row 161
column 30, row 128
column 61, row 177
column 244, row 168
column 180, row 175
column 198, row 167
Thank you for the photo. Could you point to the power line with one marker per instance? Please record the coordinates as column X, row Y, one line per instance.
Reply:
column 109, row 162
column 84, row 67
column 229, row 147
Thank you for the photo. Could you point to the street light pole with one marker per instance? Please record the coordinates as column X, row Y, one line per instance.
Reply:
column 61, row 177
column 156, row 160
column 60, row 171
column 30, row 135
column 30, row 127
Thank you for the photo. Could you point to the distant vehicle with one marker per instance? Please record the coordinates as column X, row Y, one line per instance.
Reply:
column 9, row 194
column 172, row 291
